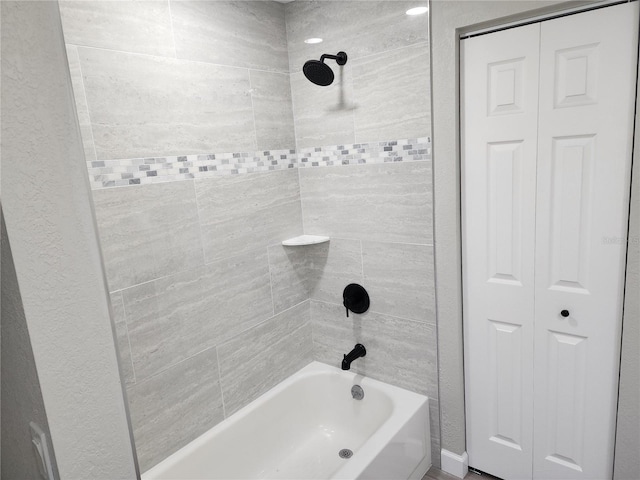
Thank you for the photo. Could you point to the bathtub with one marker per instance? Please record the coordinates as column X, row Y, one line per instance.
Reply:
column 297, row 429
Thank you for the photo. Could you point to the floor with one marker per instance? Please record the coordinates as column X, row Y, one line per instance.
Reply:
column 437, row 474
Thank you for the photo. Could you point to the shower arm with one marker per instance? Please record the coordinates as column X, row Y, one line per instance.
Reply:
column 340, row 58
column 330, row 57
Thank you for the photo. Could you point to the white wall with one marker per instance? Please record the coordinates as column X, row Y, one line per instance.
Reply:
column 56, row 254
column 627, row 460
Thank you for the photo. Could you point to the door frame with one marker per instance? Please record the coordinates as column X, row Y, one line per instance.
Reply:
column 468, row 340
column 448, row 22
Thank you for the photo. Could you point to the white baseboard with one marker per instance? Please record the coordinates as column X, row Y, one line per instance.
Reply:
column 456, row 465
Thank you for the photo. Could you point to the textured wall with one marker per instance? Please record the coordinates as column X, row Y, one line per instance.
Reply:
column 378, row 216
column 627, row 460
column 21, row 395
column 56, row 254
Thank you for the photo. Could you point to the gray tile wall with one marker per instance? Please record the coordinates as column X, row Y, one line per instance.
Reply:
column 379, row 220
column 157, row 78
column 387, row 202
column 202, row 289
column 243, row 212
column 222, row 281
column 399, row 330
column 187, row 262
column 381, row 93
column 142, row 105
column 192, row 275
column 379, row 216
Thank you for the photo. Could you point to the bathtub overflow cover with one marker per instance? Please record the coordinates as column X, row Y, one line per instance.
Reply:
column 345, row 453
column 357, row 392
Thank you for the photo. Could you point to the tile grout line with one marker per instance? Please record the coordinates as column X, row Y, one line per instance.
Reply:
column 361, row 261
column 432, row 324
column 126, row 326
column 313, row 341
column 253, row 110
column 382, row 52
column 304, row 228
column 200, row 234
column 173, row 365
column 293, row 109
column 216, row 347
column 86, row 101
column 224, row 408
column 260, row 323
column 353, row 112
column 254, row 251
column 205, row 264
column 295, row 130
column 273, row 303
column 173, row 35
column 165, row 57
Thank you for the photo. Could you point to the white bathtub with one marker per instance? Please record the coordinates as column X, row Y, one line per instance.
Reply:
column 296, row 429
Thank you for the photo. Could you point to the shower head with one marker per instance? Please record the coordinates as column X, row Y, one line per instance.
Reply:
column 319, row 72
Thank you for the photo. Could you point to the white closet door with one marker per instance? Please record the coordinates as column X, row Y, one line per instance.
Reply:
column 500, row 115
column 587, row 99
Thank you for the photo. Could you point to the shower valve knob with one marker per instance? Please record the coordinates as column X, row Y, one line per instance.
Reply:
column 564, row 313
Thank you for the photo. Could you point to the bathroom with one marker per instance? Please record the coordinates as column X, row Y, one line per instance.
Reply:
column 148, row 297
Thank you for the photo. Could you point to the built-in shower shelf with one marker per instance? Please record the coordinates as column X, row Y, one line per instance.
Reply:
column 304, row 240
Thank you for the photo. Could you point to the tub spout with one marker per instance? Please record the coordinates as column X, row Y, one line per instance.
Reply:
column 357, row 352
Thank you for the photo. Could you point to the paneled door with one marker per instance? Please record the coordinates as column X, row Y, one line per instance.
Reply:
column 499, row 195
column 546, row 157
column 585, row 132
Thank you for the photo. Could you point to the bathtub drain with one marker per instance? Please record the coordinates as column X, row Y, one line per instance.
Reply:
column 345, row 453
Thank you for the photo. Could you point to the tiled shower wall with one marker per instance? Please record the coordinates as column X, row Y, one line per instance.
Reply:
column 192, row 104
column 379, row 217
column 200, row 332
column 181, row 78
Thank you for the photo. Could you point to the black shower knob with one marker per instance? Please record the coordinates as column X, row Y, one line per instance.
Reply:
column 355, row 298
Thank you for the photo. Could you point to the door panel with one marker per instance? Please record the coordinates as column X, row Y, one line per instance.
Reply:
column 505, row 344
column 566, row 399
column 504, row 161
column 500, row 92
column 587, row 98
column 572, row 161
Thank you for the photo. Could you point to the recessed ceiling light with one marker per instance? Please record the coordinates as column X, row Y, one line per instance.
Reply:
column 417, row 10
column 313, row 40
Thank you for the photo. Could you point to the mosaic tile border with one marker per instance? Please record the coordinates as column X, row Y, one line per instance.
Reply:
column 406, row 150
column 143, row 171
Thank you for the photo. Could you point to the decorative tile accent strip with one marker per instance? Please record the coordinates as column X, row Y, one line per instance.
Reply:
column 141, row 171
column 408, row 150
